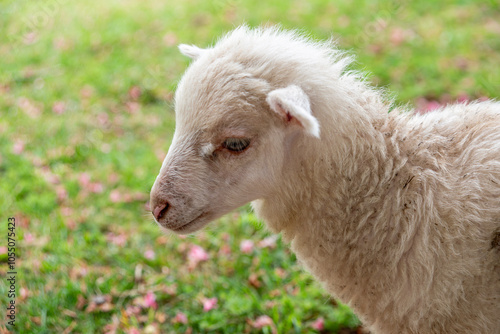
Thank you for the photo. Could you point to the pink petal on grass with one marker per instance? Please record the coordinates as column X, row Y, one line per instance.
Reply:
column 463, row 98
column 66, row 211
column 87, row 92
column 96, row 187
column 246, row 246
column 62, row 194
column 103, row 120
column 115, row 196
column 150, row 300
column 24, row 293
column 432, row 105
column 3, row 250
column 225, row 250
column 170, row 39
column 197, row 254
column 318, row 324
column 84, row 179
column 30, row 38
column 134, row 93
column 269, row 242
column 28, row 238
column 262, row 321
column 117, row 239
column 398, row 36
column 133, row 310
column 59, row 107
column 149, row 254
column 133, row 107
column 30, row 108
column 18, row 147
column 180, row 318
column 209, row 304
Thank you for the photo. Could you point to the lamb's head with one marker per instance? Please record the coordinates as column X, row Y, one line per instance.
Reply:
column 233, row 132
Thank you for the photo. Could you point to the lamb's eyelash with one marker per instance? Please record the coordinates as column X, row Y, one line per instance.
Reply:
column 236, row 144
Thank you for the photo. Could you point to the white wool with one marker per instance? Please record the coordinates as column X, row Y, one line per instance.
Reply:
column 397, row 214
column 191, row 51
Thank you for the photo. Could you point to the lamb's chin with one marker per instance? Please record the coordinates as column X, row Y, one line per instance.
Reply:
column 194, row 225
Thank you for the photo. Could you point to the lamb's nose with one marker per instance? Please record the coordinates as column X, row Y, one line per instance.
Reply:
column 161, row 210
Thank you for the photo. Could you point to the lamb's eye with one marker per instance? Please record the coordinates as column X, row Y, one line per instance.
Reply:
column 236, row 144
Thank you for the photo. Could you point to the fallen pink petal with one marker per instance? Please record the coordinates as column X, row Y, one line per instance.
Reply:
column 433, row 105
column 133, row 330
column 150, row 300
column 268, row 242
column 225, row 250
column 28, row 238
column 133, row 310
column 318, row 324
column 84, row 179
column 96, row 187
column 209, row 304
column 197, row 254
column 463, row 98
column 149, row 254
column 134, row 92
column 262, row 321
column 62, row 194
column 115, row 196
column 59, row 107
column 117, row 239
column 246, row 246
column 18, row 147
column 180, row 318
column 24, row 293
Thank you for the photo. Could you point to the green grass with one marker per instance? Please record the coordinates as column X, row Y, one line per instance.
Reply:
column 86, row 117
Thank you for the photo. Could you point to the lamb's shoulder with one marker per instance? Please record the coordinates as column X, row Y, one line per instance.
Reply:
column 452, row 201
column 459, row 125
column 453, row 161
column 454, row 151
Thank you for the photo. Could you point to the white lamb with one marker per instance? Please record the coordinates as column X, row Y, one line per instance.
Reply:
column 397, row 214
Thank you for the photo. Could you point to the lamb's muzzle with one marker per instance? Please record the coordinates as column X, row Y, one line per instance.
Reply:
column 396, row 214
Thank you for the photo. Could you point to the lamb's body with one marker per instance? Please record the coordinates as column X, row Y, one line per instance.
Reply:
column 397, row 214
column 407, row 237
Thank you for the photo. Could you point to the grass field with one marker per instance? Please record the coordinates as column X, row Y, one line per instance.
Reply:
column 86, row 117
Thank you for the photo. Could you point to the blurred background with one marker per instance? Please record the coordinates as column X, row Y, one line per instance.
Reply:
column 86, row 118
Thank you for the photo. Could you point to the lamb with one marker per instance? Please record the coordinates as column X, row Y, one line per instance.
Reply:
column 396, row 213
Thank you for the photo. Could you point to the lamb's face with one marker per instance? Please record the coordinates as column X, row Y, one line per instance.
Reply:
column 229, row 144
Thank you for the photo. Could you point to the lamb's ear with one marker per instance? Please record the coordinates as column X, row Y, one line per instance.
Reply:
column 191, row 51
column 292, row 103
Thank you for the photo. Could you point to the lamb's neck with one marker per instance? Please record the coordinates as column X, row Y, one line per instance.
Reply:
column 331, row 204
column 350, row 176
column 348, row 171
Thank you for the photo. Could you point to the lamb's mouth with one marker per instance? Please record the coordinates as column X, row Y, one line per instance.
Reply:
column 192, row 226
